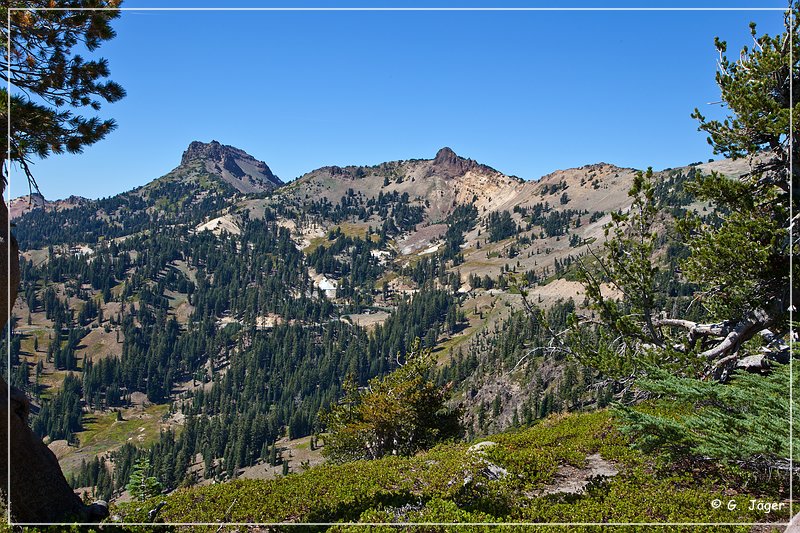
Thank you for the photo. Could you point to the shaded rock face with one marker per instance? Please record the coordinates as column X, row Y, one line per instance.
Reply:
column 236, row 167
column 39, row 492
column 449, row 165
column 229, row 164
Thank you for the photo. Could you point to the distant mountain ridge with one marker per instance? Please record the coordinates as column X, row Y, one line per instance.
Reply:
column 218, row 242
column 439, row 184
column 227, row 164
column 24, row 204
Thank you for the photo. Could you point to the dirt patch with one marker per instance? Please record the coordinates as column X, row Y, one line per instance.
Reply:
column 60, row 448
column 306, row 236
column 183, row 312
column 38, row 257
column 99, row 344
column 297, row 452
column 112, row 309
column 368, row 320
column 268, row 321
column 558, row 289
column 255, row 207
column 421, row 239
column 572, row 480
column 139, row 399
column 226, row 223
column 224, row 321
column 186, row 270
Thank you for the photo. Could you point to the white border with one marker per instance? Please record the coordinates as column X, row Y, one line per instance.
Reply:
column 406, row 524
column 400, row 524
column 7, row 200
column 791, row 264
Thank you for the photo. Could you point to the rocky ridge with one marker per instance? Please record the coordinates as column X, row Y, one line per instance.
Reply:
column 234, row 166
column 24, row 204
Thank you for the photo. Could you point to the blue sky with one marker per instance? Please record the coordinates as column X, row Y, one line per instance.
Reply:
column 524, row 92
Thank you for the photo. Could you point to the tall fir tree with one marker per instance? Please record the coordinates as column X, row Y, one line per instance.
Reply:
column 141, row 486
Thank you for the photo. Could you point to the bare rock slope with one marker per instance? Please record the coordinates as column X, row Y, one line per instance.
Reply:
column 439, row 183
column 234, row 166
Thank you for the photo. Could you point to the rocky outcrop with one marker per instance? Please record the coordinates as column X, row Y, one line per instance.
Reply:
column 569, row 479
column 236, row 167
column 213, row 151
column 449, row 165
column 794, row 525
column 25, row 204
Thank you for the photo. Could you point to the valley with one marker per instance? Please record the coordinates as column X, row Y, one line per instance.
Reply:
column 351, row 253
column 266, row 296
column 420, row 340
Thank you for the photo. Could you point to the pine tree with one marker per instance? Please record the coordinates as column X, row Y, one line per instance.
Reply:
column 273, row 454
column 742, row 263
column 396, row 415
column 52, row 79
column 624, row 332
column 141, row 486
column 739, row 262
column 743, row 421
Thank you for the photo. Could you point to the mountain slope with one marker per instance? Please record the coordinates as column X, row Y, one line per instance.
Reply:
column 438, row 184
column 210, row 177
column 259, row 319
column 567, row 468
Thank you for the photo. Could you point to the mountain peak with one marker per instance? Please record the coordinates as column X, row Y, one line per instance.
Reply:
column 448, row 164
column 213, row 150
column 235, row 166
column 445, row 155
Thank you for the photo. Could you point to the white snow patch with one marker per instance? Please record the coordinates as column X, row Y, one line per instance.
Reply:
column 432, row 250
column 81, row 249
column 380, row 254
column 324, row 283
